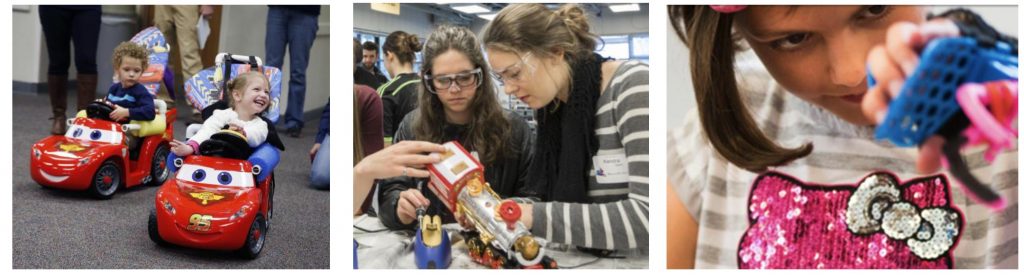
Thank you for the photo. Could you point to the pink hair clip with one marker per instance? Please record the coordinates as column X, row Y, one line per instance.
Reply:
column 728, row 8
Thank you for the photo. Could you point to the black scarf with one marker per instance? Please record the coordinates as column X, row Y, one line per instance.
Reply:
column 565, row 137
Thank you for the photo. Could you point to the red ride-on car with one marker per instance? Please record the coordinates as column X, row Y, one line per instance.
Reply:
column 222, row 198
column 94, row 154
column 219, row 200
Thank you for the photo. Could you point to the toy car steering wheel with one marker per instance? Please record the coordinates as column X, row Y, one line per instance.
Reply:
column 226, row 144
column 99, row 110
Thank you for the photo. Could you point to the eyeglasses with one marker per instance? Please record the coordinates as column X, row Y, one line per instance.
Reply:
column 513, row 73
column 468, row 79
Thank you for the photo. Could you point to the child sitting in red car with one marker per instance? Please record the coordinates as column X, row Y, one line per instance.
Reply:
column 131, row 100
column 249, row 97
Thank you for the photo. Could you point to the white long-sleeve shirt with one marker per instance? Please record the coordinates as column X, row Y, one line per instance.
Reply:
column 255, row 130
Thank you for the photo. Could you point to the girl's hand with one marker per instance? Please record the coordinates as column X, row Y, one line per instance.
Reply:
column 312, row 152
column 527, row 215
column 892, row 63
column 206, row 11
column 235, row 126
column 119, row 113
column 407, row 158
column 181, row 149
column 408, row 202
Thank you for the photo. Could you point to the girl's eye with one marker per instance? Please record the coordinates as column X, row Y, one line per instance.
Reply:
column 876, row 11
column 790, row 42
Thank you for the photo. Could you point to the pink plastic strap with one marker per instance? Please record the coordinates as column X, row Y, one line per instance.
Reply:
column 997, row 132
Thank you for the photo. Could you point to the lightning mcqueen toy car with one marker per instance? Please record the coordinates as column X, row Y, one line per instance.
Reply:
column 94, row 155
column 217, row 203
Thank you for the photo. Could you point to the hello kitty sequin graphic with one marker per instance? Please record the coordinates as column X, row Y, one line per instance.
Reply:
column 877, row 223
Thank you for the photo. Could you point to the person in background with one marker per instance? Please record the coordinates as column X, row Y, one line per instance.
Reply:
column 370, row 55
column 368, row 134
column 363, row 76
column 293, row 27
column 399, row 95
column 178, row 24
column 61, row 26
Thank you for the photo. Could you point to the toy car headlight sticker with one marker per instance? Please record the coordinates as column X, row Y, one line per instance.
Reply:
column 210, row 176
column 94, row 135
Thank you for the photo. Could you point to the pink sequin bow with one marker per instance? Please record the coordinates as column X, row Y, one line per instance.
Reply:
column 728, row 8
column 878, row 223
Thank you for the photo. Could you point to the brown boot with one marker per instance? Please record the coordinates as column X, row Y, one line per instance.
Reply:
column 57, row 87
column 86, row 90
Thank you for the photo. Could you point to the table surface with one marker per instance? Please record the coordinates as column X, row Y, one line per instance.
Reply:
column 386, row 249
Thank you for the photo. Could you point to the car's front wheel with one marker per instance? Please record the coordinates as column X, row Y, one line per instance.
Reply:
column 106, row 180
column 255, row 239
column 154, row 229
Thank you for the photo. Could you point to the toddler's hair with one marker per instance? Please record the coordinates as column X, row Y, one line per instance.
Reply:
column 130, row 49
column 242, row 80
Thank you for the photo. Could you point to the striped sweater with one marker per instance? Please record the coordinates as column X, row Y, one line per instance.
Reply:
column 716, row 192
column 618, row 218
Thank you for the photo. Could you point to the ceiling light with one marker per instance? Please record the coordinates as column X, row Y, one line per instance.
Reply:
column 624, row 7
column 489, row 17
column 472, row 9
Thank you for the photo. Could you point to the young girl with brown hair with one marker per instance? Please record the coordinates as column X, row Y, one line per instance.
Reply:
column 747, row 188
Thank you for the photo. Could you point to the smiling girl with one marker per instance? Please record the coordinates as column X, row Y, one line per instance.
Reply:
column 249, row 98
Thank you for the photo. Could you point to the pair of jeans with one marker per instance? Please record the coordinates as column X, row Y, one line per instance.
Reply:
column 296, row 31
column 320, row 177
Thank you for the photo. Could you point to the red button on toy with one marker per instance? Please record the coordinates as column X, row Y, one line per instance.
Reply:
column 510, row 212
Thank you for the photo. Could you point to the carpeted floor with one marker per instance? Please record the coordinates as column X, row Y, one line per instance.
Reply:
column 56, row 229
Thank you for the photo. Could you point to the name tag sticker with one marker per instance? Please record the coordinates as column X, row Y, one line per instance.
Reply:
column 611, row 168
